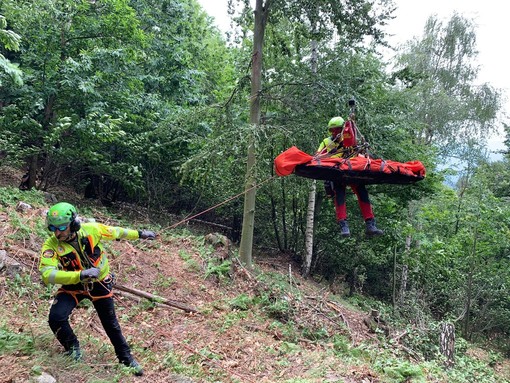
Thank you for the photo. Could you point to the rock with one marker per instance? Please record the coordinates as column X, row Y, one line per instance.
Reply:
column 220, row 243
column 174, row 378
column 22, row 206
column 375, row 323
column 10, row 265
column 50, row 198
column 217, row 240
column 45, row 378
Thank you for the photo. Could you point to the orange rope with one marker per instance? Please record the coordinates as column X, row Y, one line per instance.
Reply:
column 218, row 205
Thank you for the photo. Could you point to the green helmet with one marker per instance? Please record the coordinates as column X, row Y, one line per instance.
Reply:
column 62, row 213
column 336, row 122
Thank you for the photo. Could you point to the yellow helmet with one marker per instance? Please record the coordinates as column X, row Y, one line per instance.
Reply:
column 336, row 122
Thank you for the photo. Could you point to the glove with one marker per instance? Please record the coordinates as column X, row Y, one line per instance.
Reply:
column 146, row 234
column 89, row 273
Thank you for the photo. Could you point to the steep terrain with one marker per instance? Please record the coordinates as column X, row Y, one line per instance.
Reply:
column 264, row 325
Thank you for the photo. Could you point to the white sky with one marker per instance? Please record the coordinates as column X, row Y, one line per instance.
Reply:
column 490, row 16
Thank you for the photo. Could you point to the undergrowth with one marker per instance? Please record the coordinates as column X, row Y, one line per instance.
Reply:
column 275, row 304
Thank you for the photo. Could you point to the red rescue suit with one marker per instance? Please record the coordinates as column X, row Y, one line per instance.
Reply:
column 346, row 139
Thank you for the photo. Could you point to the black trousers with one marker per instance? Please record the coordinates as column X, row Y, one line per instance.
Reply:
column 64, row 304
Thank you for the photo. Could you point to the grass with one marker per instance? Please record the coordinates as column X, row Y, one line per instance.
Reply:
column 272, row 304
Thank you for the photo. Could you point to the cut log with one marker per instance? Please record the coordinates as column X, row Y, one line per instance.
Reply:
column 155, row 298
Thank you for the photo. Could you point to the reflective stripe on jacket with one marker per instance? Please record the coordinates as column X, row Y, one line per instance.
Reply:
column 61, row 263
column 328, row 146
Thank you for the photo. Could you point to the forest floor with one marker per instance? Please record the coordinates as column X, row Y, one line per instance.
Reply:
column 267, row 324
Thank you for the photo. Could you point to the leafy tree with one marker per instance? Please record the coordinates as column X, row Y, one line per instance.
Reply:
column 10, row 41
column 367, row 21
column 71, row 58
column 456, row 259
column 437, row 74
column 98, row 104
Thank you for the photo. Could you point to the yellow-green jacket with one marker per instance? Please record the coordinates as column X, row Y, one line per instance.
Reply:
column 61, row 263
column 328, row 145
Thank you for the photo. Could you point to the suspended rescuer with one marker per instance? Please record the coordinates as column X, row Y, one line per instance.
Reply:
column 73, row 257
column 342, row 143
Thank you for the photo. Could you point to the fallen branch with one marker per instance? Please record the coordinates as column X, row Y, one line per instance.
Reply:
column 137, row 298
column 155, row 298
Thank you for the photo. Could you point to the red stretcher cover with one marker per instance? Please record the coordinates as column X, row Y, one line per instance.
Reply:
column 356, row 170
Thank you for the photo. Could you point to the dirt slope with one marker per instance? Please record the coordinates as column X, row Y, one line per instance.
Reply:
column 220, row 340
column 265, row 325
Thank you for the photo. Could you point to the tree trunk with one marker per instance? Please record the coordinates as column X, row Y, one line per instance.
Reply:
column 394, row 288
column 32, row 171
column 284, row 215
column 447, row 343
column 245, row 247
column 310, row 211
column 405, row 274
column 275, row 222
column 470, row 294
column 467, row 307
column 403, row 284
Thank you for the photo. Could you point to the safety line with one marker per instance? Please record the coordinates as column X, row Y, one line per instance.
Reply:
column 218, row 205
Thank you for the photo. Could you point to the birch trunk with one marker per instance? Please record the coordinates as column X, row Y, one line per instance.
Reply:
column 310, row 211
column 447, row 343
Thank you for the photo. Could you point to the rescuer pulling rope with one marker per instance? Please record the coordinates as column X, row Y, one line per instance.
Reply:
column 74, row 258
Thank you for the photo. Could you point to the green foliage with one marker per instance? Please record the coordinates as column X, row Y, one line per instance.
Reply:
column 10, row 196
column 274, row 299
column 145, row 102
column 191, row 263
column 22, row 285
column 341, row 345
column 11, row 342
column 277, row 307
column 10, row 41
column 316, row 334
column 232, row 319
column 164, row 281
column 405, row 371
column 221, row 270
column 242, row 302
column 109, row 77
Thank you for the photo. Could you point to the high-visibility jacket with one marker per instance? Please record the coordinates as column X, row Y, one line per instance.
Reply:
column 61, row 263
column 332, row 144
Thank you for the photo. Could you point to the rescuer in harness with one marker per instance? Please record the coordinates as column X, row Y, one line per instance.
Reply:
column 342, row 142
column 73, row 257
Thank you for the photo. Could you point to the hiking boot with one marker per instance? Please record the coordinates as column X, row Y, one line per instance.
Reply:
column 344, row 228
column 133, row 365
column 74, row 353
column 371, row 229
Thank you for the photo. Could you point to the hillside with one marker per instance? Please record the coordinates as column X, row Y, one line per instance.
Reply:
column 265, row 325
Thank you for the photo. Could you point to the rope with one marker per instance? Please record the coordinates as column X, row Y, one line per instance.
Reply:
column 217, row 205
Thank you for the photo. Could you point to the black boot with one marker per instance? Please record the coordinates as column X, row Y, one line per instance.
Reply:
column 74, row 352
column 371, row 229
column 344, row 228
column 133, row 365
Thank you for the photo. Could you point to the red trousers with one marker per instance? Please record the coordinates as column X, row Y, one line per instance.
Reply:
column 363, row 201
